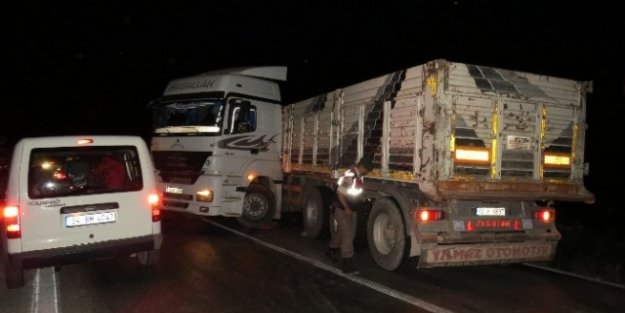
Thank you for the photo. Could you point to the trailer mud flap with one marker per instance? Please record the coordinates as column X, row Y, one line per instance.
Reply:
column 474, row 254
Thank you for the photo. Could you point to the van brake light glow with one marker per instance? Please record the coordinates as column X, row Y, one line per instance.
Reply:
column 155, row 204
column 85, row 141
column 11, row 220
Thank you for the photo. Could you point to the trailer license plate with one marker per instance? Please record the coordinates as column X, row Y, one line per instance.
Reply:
column 488, row 211
column 90, row 219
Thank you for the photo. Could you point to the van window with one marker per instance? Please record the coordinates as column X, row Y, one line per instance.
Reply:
column 72, row 171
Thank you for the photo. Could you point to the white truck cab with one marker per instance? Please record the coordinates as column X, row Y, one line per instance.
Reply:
column 77, row 198
column 216, row 143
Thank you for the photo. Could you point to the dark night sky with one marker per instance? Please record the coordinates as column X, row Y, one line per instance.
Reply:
column 78, row 69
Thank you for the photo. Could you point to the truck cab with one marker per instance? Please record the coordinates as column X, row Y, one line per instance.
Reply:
column 216, row 143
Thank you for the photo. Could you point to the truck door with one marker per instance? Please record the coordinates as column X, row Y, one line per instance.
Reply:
column 240, row 145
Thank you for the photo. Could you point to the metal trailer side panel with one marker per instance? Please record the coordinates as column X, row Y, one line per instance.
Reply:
column 519, row 118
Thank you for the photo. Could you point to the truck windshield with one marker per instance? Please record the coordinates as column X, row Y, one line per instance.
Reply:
column 197, row 116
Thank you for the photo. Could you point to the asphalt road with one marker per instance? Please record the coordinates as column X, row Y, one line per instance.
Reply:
column 215, row 265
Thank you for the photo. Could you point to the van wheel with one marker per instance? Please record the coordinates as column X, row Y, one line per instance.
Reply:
column 315, row 213
column 13, row 273
column 149, row 258
column 386, row 234
column 259, row 206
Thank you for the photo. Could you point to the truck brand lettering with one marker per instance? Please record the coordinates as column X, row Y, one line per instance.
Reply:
column 205, row 83
column 247, row 142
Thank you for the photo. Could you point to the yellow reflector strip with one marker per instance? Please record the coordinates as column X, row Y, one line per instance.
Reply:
column 472, row 155
column 557, row 160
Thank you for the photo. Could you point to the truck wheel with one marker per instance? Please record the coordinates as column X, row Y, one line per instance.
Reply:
column 148, row 258
column 13, row 273
column 315, row 213
column 259, row 206
column 386, row 235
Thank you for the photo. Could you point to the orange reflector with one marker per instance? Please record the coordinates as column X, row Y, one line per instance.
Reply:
column 557, row 160
column 472, row 155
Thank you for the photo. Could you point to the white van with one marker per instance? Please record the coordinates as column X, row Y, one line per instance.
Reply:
column 72, row 199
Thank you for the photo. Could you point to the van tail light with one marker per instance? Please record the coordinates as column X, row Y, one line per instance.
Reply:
column 426, row 215
column 12, row 222
column 155, row 204
column 545, row 215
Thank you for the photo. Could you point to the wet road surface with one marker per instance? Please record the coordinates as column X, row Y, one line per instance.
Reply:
column 215, row 265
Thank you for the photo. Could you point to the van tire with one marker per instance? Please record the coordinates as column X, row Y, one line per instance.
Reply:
column 13, row 273
column 386, row 235
column 259, row 206
column 149, row 258
column 315, row 213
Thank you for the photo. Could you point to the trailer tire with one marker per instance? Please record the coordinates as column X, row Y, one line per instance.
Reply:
column 259, row 206
column 315, row 213
column 386, row 235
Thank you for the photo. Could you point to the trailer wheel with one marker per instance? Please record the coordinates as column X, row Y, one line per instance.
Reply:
column 315, row 213
column 259, row 206
column 149, row 258
column 386, row 234
column 13, row 272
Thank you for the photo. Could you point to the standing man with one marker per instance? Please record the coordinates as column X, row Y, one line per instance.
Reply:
column 349, row 195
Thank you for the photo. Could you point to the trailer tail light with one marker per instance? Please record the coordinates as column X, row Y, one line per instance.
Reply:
column 155, row 204
column 426, row 215
column 11, row 221
column 557, row 160
column 545, row 215
column 472, row 155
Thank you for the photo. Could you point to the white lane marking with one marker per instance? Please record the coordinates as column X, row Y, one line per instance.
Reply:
column 598, row 281
column 34, row 305
column 45, row 295
column 357, row 279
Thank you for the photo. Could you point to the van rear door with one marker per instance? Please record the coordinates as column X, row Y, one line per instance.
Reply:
column 74, row 194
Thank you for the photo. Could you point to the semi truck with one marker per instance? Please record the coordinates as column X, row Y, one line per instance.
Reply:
column 468, row 159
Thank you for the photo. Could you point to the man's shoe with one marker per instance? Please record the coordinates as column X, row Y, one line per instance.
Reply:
column 348, row 267
column 333, row 254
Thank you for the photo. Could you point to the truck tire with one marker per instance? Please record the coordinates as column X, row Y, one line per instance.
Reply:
column 259, row 206
column 315, row 213
column 13, row 273
column 386, row 234
column 148, row 258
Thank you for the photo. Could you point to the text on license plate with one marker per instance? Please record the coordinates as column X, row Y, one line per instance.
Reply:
column 488, row 211
column 90, row 219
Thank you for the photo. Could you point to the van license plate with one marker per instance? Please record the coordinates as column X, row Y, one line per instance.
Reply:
column 90, row 219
